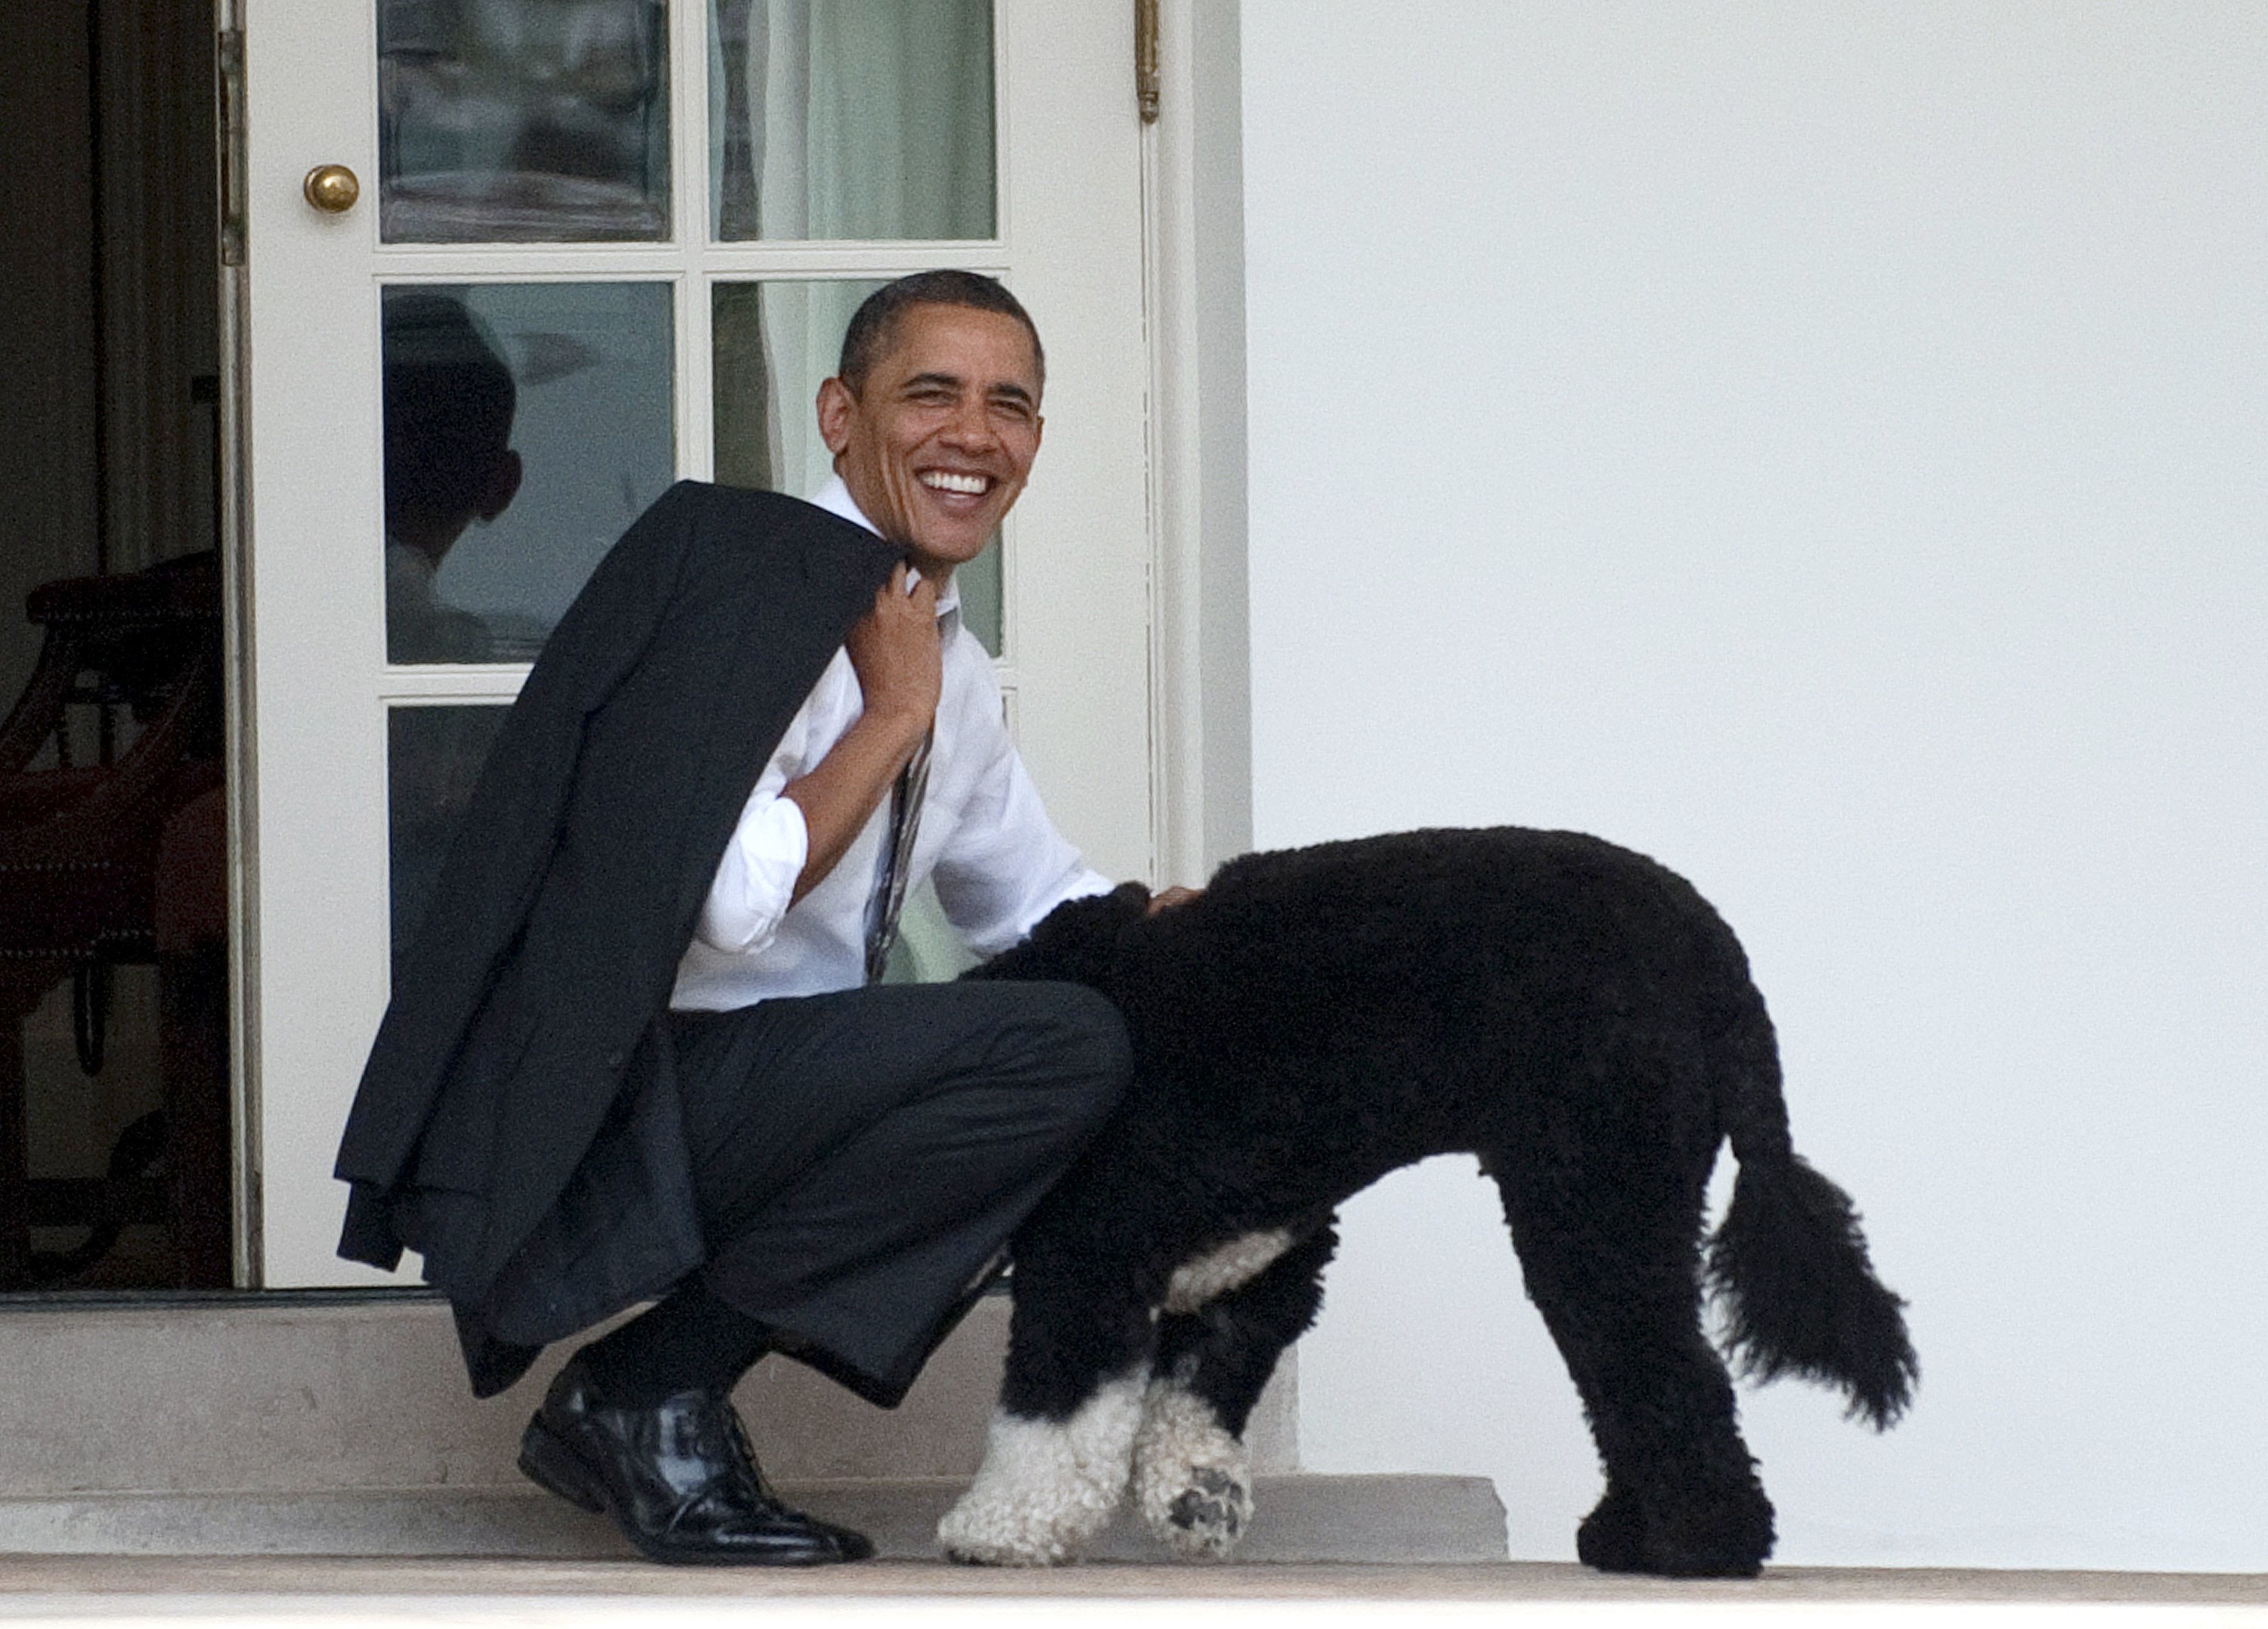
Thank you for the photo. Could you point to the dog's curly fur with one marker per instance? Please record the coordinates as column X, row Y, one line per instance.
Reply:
column 1570, row 1012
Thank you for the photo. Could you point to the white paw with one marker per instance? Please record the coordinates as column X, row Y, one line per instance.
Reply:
column 1192, row 1479
column 1003, row 1532
column 1046, row 1490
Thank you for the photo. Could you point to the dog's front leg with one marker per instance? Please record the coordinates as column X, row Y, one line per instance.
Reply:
column 1216, row 1351
column 1060, row 1449
column 1048, row 1487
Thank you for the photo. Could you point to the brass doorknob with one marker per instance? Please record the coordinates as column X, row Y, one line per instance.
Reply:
column 332, row 189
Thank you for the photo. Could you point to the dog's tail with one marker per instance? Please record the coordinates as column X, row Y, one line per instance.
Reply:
column 1788, row 1263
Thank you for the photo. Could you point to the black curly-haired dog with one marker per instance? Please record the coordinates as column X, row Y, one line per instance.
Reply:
column 1570, row 1012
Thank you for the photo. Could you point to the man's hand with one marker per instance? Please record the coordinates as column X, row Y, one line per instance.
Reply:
column 1166, row 899
column 900, row 661
column 895, row 652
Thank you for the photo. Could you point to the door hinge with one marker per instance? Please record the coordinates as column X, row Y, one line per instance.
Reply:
column 229, row 59
column 1145, row 59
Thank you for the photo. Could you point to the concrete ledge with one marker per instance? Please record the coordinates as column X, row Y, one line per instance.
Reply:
column 342, row 1592
column 1407, row 1519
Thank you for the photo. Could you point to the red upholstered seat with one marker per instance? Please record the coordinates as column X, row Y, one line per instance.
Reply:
column 121, row 861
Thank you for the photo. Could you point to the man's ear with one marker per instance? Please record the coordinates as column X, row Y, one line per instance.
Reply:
column 835, row 407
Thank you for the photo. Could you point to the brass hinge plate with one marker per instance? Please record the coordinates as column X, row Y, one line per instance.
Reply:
column 230, row 89
column 1145, row 59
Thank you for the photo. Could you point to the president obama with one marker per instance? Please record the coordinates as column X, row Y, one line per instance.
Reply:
column 639, row 1050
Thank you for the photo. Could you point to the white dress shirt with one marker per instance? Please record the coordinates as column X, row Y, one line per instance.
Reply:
column 984, row 841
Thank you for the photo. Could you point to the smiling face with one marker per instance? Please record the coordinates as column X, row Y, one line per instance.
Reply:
column 936, row 442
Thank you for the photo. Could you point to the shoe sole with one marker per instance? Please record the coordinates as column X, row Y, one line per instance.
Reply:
column 556, row 1467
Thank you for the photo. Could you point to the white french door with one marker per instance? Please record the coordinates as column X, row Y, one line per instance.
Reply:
column 603, row 244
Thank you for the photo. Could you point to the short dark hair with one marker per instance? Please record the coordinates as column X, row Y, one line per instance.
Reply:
column 874, row 326
column 449, row 402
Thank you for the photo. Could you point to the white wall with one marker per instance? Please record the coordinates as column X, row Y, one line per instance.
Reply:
column 1825, row 446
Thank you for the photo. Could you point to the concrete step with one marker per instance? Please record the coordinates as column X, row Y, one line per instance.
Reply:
column 1296, row 1518
column 311, row 1424
column 290, row 1393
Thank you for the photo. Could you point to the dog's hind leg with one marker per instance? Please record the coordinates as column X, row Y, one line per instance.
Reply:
column 1192, row 1475
column 1610, row 1259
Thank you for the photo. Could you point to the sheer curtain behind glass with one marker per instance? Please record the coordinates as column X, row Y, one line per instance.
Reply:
column 851, row 119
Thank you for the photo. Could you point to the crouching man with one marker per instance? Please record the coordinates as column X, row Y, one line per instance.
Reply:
column 640, row 1050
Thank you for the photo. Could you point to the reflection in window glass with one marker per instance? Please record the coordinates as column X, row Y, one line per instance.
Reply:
column 850, row 119
column 433, row 756
column 527, row 426
column 523, row 120
column 773, row 342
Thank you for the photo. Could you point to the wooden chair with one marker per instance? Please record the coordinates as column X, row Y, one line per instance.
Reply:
column 94, row 860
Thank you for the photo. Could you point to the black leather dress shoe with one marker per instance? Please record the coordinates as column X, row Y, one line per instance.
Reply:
column 678, row 1478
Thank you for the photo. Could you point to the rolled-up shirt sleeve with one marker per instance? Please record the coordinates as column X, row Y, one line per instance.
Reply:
column 755, row 880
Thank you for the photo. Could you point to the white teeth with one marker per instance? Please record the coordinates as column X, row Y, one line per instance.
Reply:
column 944, row 481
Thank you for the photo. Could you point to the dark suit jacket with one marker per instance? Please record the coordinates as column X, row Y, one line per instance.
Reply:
column 517, row 1122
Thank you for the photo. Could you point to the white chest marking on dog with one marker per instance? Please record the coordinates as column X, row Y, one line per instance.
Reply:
column 1221, row 1270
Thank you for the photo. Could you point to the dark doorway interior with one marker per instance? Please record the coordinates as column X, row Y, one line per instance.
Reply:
column 113, row 1075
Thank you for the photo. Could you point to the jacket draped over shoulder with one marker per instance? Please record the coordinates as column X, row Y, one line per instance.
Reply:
column 517, row 1122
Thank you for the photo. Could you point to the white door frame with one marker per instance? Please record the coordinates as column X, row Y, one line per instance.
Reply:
column 1193, row 258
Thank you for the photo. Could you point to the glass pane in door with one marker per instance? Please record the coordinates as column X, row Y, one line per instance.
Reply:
column 526, row 425
column 433, row 756
column 523, row 120
column 772, row 343
column 850, row 119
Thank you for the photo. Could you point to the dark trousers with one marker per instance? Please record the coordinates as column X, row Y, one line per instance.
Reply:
column 861, row 1158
